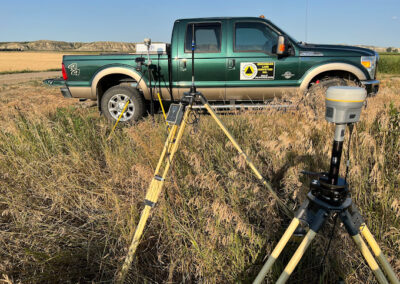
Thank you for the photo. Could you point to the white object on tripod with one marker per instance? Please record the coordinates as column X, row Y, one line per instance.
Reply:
column 344, row 104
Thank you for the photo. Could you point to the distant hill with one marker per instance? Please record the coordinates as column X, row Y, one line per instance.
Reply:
column 50, row 45
column 101, row 46
column 380, row 49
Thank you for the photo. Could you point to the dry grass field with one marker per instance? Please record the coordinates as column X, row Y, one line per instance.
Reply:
column 70, row 199
column 29, row 61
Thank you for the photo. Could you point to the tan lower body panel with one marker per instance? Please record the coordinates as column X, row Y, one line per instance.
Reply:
column 258, row 93
column 240, row 94
column 212, row 94
column 165, row 94
column 81, row 92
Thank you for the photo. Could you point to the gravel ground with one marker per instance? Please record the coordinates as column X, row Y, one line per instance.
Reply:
column 25, row 77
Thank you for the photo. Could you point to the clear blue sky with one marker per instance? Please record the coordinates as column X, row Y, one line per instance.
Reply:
column 335, row 21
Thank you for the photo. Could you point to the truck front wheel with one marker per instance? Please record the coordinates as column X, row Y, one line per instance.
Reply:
column 323, row 84
column 114, row 101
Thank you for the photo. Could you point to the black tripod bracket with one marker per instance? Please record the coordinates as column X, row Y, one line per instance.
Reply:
column 176, row 111
column 325, row 199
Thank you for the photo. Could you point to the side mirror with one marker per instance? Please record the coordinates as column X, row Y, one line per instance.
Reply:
column 282, row 48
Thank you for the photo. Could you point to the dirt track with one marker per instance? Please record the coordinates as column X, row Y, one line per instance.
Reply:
column 25, row 77
column 25, row 92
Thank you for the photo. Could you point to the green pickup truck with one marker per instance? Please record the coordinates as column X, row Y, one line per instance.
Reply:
column 237, row 60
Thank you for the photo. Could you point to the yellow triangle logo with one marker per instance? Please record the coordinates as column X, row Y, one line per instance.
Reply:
column 249, row 71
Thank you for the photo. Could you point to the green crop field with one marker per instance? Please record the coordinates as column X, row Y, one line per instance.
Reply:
column 70, row 199
column 389, row 63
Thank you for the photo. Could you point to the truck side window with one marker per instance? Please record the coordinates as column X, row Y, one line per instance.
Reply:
column 254, row 36
column 207, row 37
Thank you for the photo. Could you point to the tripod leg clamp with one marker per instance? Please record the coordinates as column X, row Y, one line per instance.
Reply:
column 154, row 191
column 352, row 220
column 203, row 99
column 149, row 203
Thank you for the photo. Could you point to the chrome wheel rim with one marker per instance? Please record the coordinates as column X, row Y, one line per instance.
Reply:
column 117, row 103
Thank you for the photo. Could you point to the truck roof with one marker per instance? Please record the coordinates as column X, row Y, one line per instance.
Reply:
column 221, row 18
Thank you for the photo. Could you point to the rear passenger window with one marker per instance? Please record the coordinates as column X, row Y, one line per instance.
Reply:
column 255, row 36
column 207, row 37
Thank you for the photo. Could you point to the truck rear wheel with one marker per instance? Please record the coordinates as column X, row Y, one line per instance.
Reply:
column 114, row 100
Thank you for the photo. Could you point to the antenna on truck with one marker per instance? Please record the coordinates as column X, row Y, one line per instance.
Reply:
column 306, row 23
column 147, row 42
column 193, row 87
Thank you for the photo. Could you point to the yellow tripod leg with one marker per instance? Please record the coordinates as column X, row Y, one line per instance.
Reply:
column 296, row 257
column 366, row 233
column 153, row 193
column 162, row 106
column 277, row 251
column 248, row 161
column 119, row 118
column 167, row 147
column 174, row 146
column 369, row 258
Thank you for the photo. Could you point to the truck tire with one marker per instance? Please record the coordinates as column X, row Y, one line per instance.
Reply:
column 114, row 100
column 327, row 82
column 315, row 97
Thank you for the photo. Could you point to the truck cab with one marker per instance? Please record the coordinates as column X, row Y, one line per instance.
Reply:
column 235, row 59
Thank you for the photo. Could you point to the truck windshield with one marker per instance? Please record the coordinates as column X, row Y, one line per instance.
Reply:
column 207, row 37
column 254, row 36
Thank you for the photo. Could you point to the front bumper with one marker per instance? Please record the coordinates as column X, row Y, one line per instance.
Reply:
column 372, row 86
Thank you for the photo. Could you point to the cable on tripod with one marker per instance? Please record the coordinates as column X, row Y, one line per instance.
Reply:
column 329, row 243
column 195, row 117
column 351, row 127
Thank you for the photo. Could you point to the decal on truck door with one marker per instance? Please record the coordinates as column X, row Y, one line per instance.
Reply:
column 257, row 71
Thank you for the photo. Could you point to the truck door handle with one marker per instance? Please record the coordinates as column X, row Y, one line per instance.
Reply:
column 183, row 64
column 231, row 63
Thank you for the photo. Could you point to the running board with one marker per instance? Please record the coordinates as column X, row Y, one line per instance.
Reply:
column 253, row 106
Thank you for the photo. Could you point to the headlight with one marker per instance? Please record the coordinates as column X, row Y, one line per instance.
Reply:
column 369, row 62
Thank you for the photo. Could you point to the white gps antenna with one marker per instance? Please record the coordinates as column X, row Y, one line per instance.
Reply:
column 147, row 43
column 343, row 107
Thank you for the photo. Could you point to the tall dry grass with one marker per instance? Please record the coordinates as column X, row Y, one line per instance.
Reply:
column 70, row 200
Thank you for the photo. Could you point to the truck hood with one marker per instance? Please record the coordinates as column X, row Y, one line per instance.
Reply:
column 308, row 49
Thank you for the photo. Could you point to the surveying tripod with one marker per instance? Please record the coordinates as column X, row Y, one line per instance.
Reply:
column 177, row 120
column 329, row 194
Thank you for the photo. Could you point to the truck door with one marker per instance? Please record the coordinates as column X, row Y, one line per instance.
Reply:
column 254, row 72
column 210, row 58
